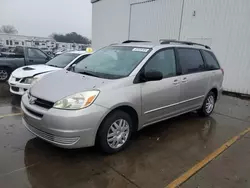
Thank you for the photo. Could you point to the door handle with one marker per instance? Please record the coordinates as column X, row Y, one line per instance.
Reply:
column 176, row 82
column 184, row 80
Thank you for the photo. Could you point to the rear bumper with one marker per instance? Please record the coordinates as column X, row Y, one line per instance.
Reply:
column 219, row 93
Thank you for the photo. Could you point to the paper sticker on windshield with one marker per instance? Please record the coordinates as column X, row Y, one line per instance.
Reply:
column 140, row 50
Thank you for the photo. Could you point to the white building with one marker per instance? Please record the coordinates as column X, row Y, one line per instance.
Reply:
column 70, row 46
column 44, row 43
column 9, row 40
column 221, row 24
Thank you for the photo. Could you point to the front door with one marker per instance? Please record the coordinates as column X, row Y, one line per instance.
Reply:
column 159, row 98
column 36, row 56
column 194, row 79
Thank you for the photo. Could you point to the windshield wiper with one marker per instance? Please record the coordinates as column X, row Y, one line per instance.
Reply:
column 88, row 73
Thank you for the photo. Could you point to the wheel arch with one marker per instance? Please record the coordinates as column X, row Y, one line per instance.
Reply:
column 215, row 91
column 125, row 108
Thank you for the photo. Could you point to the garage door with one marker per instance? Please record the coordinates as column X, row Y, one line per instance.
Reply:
column 154, row 20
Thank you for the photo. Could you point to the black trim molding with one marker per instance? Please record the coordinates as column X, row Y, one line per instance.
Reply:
column 94, row 1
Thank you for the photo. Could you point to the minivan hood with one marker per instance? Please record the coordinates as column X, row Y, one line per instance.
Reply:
column 62, row 83
column 32, row 70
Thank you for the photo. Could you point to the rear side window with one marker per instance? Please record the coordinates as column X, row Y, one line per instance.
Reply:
column 212, row 63
column 190, row 60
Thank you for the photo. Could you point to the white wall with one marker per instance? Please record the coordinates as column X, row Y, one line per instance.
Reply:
column 110, row 22
column 224, row 25
column 155, row 20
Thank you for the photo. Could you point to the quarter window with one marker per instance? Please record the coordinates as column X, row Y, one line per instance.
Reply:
column 212, row 63
column 190, row 60
column 164, row 62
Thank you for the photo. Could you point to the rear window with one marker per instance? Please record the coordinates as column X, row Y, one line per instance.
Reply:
column 62, row 60
column 212, row 63
column 190, row 60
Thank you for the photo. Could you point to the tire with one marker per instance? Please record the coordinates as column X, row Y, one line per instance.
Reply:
column 4, row 74
column 207, row 109
column 120, row 139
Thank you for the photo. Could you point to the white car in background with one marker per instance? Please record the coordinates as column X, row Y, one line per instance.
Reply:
column 22, row 78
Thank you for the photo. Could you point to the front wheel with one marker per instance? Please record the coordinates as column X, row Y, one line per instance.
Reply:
column 4, row 74
column 208, row 105
column 115, row 132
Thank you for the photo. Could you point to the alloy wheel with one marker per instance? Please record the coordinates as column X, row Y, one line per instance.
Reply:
column 118, row 133
column 209, row 104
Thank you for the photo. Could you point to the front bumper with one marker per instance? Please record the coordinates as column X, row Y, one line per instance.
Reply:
column 18, row 88
column 63, row 128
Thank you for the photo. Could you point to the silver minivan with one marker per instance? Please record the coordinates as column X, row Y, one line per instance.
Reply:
column 121, row 89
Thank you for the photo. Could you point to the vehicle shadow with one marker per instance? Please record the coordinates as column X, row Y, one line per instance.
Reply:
column 4, row 89
column 89, row 167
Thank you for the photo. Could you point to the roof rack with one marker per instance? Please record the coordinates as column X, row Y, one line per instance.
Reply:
column 130, row 41
column 164, row 41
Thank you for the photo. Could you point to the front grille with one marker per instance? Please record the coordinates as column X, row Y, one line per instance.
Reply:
column 34, row 113
column 54, row 138
column 44, row 103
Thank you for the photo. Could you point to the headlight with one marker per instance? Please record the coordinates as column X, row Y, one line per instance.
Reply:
column 31, row 80
column 35, row 79
column 77, row 101
column 28, row 80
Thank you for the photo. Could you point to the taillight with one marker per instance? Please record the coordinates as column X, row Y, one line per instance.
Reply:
column 222, row 70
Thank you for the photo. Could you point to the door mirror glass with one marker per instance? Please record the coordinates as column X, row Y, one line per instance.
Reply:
column 152, row 76
column 72, row 67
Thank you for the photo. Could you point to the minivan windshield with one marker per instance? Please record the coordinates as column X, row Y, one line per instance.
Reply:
column 62, row 60
column 112, row 62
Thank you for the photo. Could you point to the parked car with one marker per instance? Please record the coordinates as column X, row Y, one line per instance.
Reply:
column 22, row 56
column 121, row 89
column 22, row 78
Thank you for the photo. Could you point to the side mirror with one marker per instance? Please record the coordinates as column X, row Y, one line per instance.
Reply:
column 152, row 76
column 72, row 67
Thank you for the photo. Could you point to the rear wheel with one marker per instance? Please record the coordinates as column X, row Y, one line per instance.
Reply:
column 208, row 105
column 115, row 132
column 4, row 74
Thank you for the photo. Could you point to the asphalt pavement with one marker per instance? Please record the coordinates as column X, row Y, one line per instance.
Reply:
column 158, row 155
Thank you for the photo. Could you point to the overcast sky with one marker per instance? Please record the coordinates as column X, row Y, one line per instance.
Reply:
column 43, row 17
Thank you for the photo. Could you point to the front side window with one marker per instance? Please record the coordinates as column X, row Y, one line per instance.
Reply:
column 164, row 62
column 35, row 53
column 62, row 60
column 112, row 62
column 212, row 63
column 190, row 60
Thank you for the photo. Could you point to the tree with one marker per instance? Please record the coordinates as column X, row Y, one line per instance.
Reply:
column 72, row 37
column 9, row 29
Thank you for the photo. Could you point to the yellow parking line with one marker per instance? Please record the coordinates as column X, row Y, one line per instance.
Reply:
column 184, row 177
column 10, row 115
